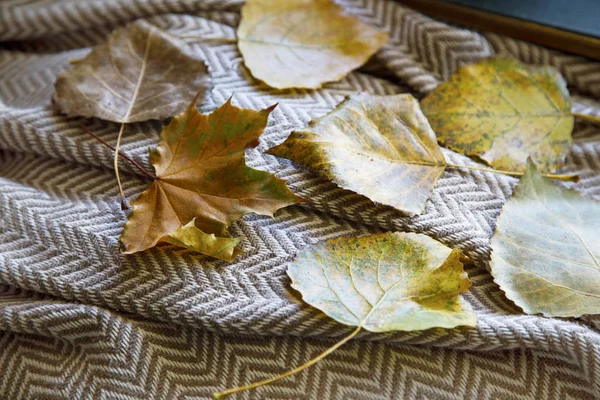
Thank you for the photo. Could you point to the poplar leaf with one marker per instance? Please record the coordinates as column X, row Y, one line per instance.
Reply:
column 379, row 146
column 139, row 73
column 386, row 282
column 303, row 43
column 202, row 177
column 382, row 283
column 501, row 111
column 546, row 249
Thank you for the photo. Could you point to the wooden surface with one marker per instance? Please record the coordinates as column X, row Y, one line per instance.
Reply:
column 544, row 35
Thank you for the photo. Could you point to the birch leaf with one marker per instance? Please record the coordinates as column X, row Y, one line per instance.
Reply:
column 501, row 112
column 139, row 73
column 386, row 282
column 303, row 43
column 379, row 146
column 202, row 176
column 546, row 249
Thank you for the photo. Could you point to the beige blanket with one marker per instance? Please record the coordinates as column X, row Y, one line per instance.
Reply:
column 79, row 320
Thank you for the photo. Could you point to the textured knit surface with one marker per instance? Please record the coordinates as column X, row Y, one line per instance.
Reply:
column 81, row 320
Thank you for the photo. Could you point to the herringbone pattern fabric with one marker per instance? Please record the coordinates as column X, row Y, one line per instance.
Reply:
column 82, row 320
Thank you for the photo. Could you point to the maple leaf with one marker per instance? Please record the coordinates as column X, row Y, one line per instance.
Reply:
column 382, row 283
column 139, row 73
column 303, row 43
column 546, row 249
column 501, row 112
column 202, row 176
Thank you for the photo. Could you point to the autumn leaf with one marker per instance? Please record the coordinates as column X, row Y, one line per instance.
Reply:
column 382, row 283
column 387, row 282
column 188, row 236
column 501, row 112
column 546, row 249
column 202, row 177
column 379, row 146
column 139, row 73
column 303, row 43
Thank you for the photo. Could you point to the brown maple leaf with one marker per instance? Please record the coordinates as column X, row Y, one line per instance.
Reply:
column 202, row 176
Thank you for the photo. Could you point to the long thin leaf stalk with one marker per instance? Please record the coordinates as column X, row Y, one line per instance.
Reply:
column 116, row 164
column 128, row 113
column 132, row 161
column 559, row 177
column 587, row 117
column 210, row 39
column 228, row 392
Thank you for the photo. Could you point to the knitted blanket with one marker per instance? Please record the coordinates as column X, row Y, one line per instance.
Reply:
column 80, row 320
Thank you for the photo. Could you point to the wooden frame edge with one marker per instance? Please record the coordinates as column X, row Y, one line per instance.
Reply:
column 532, row 32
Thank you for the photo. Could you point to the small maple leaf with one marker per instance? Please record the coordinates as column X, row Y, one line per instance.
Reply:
column 202, row 177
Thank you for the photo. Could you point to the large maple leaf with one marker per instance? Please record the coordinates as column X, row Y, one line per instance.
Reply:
column 202, row 177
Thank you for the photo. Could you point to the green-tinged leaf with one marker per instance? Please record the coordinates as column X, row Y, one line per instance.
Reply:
column 379, row 146
column 387, row 282
column 139, row 73
column 188, row 236
column 202, row 176
column 303, row 43
column 501, row 111
column 546, row 249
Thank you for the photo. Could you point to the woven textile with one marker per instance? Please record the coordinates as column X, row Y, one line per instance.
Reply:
column 81, row 320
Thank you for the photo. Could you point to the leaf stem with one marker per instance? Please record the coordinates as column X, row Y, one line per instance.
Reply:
column 132, row 161
column 587, row 117
column 560, row 177
column 116, row 164
column 228, row 392
column 210, row 39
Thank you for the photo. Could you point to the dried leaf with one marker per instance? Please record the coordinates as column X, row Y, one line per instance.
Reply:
column 202, row 175
column 188, row 236
column 378, row 146
column 386, row 282
column 501, row 112
column 303, row 43
column 546, row 249
column 140, row 73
